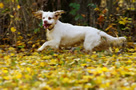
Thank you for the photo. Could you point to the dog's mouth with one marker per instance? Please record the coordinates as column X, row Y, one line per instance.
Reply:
column 46, row 25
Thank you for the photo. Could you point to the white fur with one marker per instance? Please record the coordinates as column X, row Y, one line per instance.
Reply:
column 64, row 34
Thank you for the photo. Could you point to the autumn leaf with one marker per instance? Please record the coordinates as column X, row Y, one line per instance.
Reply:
column 123, row 21
column 133, row 1
column 13, row 29
column 96, row 9
column 117, row 50
column 11, row 16
column 110, row 27
column 101, row 18
column 18, row 75
column 5, row 71
column 1, row 5
column 18, row 6
column 44, row 86
column 13, row 0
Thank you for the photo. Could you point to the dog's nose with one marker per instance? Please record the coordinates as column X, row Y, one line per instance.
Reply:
column 45, row 21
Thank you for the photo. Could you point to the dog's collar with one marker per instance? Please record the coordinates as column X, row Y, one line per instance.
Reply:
column 50, row 28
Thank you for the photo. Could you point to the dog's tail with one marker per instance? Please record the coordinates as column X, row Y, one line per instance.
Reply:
column 112, row 40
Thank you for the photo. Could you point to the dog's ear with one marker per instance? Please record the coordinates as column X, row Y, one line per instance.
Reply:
column 38, row 14
column 58, row 13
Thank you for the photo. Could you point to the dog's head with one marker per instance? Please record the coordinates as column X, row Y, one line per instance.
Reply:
column 49, row 19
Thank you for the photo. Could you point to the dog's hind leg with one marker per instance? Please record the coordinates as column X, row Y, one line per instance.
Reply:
column 91, row 42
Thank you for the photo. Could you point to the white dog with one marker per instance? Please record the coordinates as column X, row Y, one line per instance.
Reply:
column 64, row 34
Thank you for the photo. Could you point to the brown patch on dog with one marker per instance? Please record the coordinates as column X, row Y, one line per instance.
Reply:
column 58, row 13
column 38, row 14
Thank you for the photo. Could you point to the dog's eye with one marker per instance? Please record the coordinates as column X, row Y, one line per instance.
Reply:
column 43, row 17
column 49, row 18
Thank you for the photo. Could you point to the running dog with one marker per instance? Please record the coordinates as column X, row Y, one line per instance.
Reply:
column 65, row 34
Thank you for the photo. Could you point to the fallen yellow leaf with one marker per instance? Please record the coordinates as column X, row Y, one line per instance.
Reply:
column 13, row 29
column 1, row 5
column 18, row 6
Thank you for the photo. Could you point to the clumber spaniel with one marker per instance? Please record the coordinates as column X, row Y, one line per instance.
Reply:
column 65, row 34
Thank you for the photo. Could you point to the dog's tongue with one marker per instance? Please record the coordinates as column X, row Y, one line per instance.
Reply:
column 46, row 25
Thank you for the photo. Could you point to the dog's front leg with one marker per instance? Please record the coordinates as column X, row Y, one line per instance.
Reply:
column 51, row 43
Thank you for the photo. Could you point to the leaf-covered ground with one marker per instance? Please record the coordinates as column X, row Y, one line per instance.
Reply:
column 66, row 70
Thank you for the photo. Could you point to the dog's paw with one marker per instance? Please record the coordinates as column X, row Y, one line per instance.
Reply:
column 40, row 49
